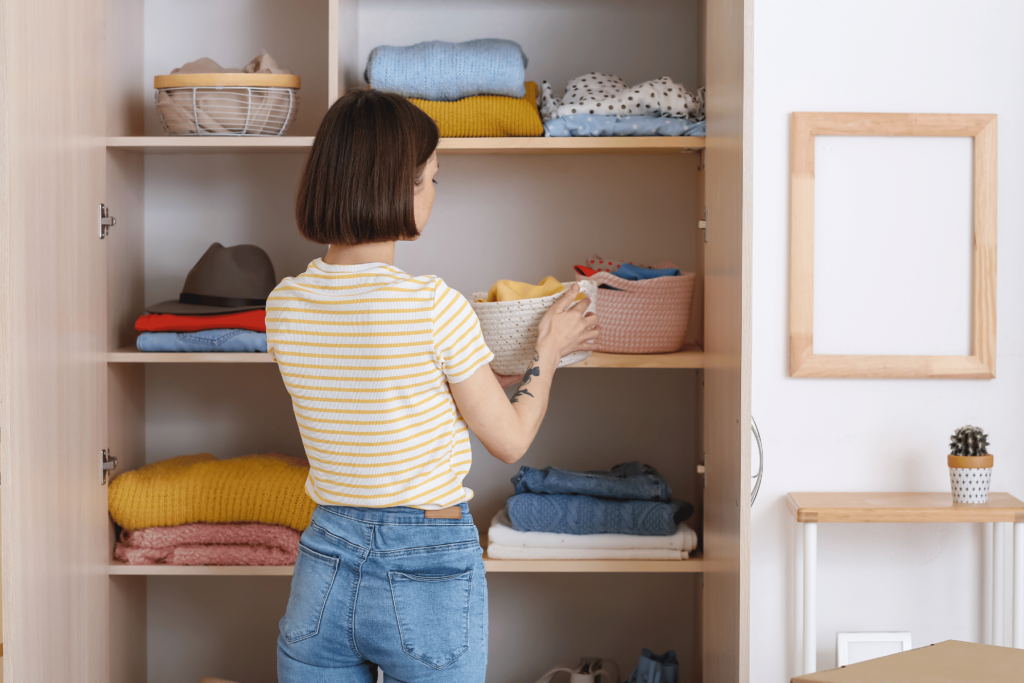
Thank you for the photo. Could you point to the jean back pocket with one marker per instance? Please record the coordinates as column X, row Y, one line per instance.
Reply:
column 433, row 615
column 311, row 584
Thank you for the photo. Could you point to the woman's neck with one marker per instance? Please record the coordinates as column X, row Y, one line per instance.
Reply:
column 376, row 252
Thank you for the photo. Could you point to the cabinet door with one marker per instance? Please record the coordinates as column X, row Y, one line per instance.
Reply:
column 727, row 271
column 52, row 341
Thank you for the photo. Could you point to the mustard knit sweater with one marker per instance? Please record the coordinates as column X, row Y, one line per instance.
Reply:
column 487, row 116
column 268, row 489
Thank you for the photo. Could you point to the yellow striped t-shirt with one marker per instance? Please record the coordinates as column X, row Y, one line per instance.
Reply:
column 367, row 353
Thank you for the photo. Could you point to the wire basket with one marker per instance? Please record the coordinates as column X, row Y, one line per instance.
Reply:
column 227, row 104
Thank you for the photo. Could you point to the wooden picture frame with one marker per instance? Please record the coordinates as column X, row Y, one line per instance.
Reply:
column 803, row 362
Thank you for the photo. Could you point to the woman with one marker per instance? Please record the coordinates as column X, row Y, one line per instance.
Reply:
column 387, row 373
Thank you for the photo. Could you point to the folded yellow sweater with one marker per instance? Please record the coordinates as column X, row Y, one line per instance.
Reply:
column 487, row 116
column 268, row 489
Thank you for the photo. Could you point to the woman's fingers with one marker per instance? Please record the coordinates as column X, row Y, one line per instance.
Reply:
column 566, row 299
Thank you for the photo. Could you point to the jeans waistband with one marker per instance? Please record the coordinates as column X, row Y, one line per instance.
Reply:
column 396, row 515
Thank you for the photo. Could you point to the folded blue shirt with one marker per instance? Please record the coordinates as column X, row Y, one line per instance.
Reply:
column 629, row 481
column 606, row 125
column 627, row 271
column 445, row 72
column 564, row 514
column 227, row 341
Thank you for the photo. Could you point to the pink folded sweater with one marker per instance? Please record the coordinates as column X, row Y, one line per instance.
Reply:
column 210, row 544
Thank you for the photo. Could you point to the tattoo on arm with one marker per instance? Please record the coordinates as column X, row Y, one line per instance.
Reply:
column 530, row 373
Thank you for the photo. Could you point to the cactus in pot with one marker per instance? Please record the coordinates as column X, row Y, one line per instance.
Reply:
column 970, row 465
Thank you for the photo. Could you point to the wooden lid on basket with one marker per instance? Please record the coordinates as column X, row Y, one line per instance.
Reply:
column 227, row 80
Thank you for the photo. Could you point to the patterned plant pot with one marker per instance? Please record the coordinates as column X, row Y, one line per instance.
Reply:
column 970, row 477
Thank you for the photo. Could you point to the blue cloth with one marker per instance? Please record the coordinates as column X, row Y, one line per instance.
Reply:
column 627, row 271
column 656, row 668
column 566, row 514
column 445, row 72
column 602, row 125
column 227, row 341
column 630, row 481
column 421, row 613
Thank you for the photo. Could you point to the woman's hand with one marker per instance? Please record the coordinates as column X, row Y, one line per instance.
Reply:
column 563, row 330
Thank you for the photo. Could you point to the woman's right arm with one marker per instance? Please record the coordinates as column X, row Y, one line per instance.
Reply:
column 507, row 428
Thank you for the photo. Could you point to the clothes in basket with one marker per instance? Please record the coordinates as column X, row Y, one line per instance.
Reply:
column 446, row 72
column 640, row 316
column 628, row 481
column 571, row 514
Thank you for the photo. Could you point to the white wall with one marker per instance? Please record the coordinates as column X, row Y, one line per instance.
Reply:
column 882, row 435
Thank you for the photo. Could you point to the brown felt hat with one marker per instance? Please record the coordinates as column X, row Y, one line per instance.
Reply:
column 226, row 280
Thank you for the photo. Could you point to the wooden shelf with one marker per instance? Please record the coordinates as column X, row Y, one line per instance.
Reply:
column 163, row 144
column 692, row 566
column 896, row 508
column 691, row 356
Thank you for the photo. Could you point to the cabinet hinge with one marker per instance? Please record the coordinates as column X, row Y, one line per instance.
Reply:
column 106, row 221
column 108, row 465
column 703, row 225
column 702, row 469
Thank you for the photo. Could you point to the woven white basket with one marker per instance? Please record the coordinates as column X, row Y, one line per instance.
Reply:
column 510, row 328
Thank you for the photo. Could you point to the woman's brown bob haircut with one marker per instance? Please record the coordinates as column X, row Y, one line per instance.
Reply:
column 360, row 177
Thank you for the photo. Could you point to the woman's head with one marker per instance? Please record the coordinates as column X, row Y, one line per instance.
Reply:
column 369, row 174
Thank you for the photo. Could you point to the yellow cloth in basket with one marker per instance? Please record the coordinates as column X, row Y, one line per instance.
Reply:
column 268, row 489
column 487, row 116
column 507, row 290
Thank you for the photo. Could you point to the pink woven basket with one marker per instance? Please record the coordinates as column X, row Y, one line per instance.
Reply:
column 646, row 316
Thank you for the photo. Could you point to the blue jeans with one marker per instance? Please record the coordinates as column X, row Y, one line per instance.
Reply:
column 567, row 514
column 385, row 587
column 205, row 341
column 629, row 481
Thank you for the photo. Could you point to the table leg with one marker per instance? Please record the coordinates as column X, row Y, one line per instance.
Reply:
column 998, row 582
column 986, row 583
column 1018, row 585
column 798, row 599
column 810, row 592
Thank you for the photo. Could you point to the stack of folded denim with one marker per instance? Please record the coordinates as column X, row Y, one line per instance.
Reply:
column 472, row 89
column 231, row 332
column 627, row 513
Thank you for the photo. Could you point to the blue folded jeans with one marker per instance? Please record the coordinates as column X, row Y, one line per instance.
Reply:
column 385, row 588
column 629, row 481
column 656, row 668
column 228, row 341
column 562, row 514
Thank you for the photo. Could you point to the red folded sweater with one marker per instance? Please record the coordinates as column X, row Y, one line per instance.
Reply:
column 255, row 321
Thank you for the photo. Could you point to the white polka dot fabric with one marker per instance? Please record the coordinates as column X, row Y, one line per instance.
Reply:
column 596, row 93
column 970, row 484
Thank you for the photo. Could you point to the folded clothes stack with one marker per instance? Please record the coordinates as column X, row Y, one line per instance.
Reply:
column 222, row 306
column 625, row 513
column 196, row 510
column 472, row 89
column 596, row 105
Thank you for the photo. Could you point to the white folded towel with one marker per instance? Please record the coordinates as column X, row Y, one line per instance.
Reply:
column 507, row 552
column 501, row 533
